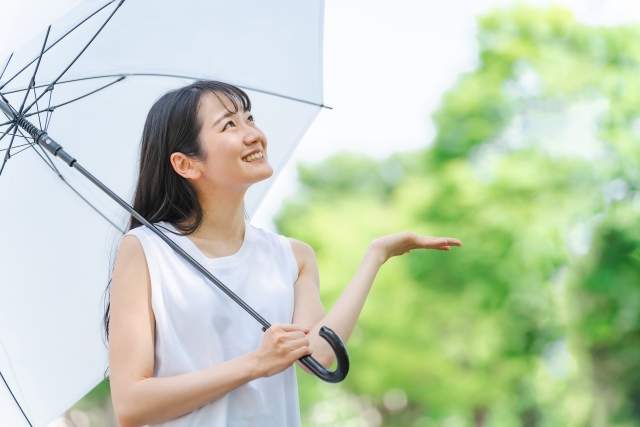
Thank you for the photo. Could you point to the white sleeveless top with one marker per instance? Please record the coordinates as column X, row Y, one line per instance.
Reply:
column 198, row 326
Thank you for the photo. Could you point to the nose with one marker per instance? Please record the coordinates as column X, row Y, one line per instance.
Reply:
column 253, row 135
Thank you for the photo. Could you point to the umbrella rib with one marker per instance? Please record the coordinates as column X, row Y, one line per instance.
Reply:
column 286, row 97
column 6, row 132
column 178, row 76
column 26, row 138
column 240, row 86
column 38, row 108
column 55, row 43
column 49, row 108
column 7, row 155
column 6, row 65
column 91, row 205
column 18, row 146
column 33, row 77
column 46, row 159
column 49, row 162
column 23, row 149
column 15, row 400
column 50, row 87
column 71, row 81
column 47, row 119
column 9, row 130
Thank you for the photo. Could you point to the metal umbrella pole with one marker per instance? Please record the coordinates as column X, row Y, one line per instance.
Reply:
column 99, row 69
column 44, row 140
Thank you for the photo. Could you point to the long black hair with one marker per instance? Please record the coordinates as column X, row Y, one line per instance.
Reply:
column 173, row 126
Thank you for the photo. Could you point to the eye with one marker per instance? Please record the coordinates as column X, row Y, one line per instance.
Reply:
column 226, row 126
column 251, row 119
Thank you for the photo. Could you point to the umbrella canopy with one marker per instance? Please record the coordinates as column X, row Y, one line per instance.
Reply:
column 108, row 62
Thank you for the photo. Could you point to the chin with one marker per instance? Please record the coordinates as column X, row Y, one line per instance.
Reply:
column 264, row 174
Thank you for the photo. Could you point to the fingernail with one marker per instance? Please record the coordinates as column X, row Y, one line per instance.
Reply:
column 305, row 330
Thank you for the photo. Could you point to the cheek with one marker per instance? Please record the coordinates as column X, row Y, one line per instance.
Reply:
column 221, row 164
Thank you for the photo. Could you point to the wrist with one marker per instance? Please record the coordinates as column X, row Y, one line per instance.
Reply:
column 375, row 254
column 253, row 366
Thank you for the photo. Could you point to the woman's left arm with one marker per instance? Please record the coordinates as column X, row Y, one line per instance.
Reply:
column 342, row 318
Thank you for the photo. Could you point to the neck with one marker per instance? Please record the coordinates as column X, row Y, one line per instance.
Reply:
column 223, row 216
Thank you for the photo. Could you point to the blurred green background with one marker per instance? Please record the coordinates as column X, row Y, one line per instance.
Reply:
column 535, row 321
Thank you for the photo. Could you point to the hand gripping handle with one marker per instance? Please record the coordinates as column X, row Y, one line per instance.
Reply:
column 341, row 355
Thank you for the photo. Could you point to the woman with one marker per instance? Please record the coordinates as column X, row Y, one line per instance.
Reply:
column 180, row 352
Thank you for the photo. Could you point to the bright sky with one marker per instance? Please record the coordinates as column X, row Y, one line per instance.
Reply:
column 386, row 65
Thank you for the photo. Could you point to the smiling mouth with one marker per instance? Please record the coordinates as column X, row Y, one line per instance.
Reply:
column 251, row 157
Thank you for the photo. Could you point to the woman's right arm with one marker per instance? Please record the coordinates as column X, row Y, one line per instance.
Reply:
column 139, row 398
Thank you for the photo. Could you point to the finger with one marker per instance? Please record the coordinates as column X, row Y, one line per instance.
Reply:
column 295, row 335
column 432, row 242
column 295, row 344
column 451, row 241
column 302, row 351
column 442, row 241
column 291, row 328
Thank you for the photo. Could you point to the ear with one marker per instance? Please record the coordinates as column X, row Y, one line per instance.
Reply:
column 185, row 166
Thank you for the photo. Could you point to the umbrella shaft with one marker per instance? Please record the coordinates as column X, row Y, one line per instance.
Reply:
column 169, row 242
column 49, row 144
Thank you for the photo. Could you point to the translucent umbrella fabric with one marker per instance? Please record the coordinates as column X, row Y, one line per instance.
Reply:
column 57, row 233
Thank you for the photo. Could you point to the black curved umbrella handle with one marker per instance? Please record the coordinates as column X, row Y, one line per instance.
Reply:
column 341, row 355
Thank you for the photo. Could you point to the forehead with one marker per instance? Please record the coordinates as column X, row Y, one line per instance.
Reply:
column 213, row 104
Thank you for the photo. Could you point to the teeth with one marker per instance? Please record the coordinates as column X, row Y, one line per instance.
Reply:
column 253, row 157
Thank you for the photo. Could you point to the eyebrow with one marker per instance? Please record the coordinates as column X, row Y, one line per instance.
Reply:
column 229, row 114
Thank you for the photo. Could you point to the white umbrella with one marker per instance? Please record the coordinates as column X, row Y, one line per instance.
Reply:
column 99, row 69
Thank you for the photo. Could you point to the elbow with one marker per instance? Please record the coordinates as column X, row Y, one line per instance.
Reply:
column 125, row 420
column 127, row 415
column 325, row 356
column 326, row 360
column 128, row 420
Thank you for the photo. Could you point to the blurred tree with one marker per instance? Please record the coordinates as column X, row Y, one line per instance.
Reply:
column 525, row 146
column 457, row 332
column 536, row 168
column 606, row 288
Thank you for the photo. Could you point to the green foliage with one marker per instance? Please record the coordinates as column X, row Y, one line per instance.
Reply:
column 535, row 321
column 607, row 291
column 522, row 325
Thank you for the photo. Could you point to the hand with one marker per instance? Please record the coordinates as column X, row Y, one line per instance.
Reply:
column 281, row 346
column 402, row 243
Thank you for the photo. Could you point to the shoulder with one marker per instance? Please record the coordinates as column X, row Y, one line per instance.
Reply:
column 301, row 248
column 140, row 232
column 130, row 245
column 132, row 254
column 130, row 280
column 303, row 252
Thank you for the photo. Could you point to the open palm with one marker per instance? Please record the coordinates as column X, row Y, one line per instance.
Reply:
column 402, row 243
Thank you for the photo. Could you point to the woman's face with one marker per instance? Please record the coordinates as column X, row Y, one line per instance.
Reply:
column 235, row 148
